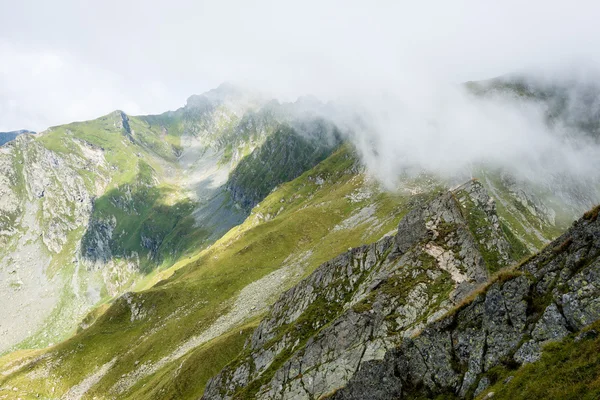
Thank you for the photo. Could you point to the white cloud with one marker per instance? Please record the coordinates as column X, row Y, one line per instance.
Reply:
column 41, row 88
column 290, row 48
column 448, row 131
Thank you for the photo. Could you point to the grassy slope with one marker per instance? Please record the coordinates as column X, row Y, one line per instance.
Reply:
column 258, row 247
column 143, row 195
column 189, row 301
column 134, row 159
column 569, row 369
column 522, row 223
column 137, row 194
column 296, row 219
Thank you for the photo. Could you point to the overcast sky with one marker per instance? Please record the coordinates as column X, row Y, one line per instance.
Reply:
column 68, row 60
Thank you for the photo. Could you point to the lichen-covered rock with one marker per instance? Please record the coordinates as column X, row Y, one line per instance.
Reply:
column 356, row 308
column 550, row 327
column 508, row 322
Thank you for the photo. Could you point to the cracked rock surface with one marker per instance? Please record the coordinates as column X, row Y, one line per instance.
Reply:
column 548, row 297
column 356, row 310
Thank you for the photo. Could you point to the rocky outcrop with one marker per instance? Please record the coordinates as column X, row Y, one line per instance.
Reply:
column 355, row 309
column 54, row 182
column 382, row 321
column 543, row 300
column 285, row 155
column 97, row 250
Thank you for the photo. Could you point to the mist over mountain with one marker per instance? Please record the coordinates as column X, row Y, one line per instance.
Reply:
column 104, row 221
column 542, row 130
column 308, row 200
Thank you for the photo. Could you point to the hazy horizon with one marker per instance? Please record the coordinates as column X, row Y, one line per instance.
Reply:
column 65, row 61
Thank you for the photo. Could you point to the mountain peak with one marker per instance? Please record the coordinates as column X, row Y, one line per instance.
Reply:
column 234, row 97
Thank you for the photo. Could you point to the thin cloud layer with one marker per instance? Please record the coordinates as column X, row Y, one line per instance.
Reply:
column 149, row 57
column 450, row 131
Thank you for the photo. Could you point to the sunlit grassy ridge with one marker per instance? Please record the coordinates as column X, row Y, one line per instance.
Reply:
column 309, row 220
column 299, row 218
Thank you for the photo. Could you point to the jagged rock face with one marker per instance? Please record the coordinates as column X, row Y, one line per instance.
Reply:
column 97, row 247
column 367, row 342
column 355, row 308
column 548, row 297
column 51, row 181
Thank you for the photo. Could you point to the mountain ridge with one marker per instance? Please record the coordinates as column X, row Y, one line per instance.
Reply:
column 169, row 237
column 540, row 314
column 403, row 371
column 433, row 237
column 144, row 200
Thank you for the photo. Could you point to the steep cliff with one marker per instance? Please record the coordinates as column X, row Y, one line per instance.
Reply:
column 391, row 320
column 543, row 300
column 353, row 309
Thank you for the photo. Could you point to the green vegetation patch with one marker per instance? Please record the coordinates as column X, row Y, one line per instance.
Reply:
column 143, row 218
column 568, row 370
column 284, row 156
column 187, row 378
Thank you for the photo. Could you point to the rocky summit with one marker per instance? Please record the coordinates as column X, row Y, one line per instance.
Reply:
column 241, row 248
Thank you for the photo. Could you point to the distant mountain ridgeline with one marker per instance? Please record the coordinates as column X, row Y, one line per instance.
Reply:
column 8, row 136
